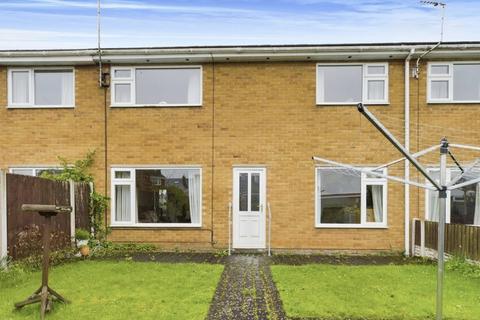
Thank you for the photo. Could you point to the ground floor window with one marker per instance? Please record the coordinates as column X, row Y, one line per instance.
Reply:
column 463, row 205
column 350, row 199
column 156, row 196
column 35, row 172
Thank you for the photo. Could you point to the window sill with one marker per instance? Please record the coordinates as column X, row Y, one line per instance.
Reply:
column 156, row 226
column 349, row 226
column 352, row 104
column 155, row 105
column 453, row 102
column 40, row 107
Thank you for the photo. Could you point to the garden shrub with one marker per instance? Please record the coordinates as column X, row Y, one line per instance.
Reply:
column 82, row 234
column 79, row 171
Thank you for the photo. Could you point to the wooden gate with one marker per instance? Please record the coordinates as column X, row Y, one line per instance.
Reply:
column 24, row 230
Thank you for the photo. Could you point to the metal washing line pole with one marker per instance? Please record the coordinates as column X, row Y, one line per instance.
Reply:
column 442, row 196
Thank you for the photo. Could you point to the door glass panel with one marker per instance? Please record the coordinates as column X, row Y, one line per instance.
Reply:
column 243, row 192
column 255, row 192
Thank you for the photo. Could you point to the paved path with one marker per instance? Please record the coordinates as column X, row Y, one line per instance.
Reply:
column 246, row 291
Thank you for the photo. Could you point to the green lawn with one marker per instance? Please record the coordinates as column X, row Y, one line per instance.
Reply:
column 119, row 290
column 374, row 292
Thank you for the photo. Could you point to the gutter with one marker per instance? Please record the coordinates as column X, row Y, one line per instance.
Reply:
column 242, row 49
column 407, row 147
column 204, row 54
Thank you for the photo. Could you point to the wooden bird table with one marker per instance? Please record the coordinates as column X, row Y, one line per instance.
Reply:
column 44, row 295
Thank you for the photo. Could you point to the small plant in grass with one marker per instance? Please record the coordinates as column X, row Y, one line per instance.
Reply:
column 221, row 253
column 11, row 273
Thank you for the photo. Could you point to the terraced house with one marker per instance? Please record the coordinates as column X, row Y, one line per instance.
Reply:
column 197, row 144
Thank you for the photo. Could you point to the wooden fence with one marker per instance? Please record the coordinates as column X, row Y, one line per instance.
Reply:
column 24, row 230
column 462, row 240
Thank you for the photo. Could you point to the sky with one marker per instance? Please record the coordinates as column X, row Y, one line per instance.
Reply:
column 47, row 24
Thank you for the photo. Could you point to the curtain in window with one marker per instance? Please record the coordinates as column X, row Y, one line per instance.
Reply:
column 122, row 203
column 439, row 89
column 67, row 88
column 433, row 207
column 194, row 196
column 376, row 89
column 20, row 87
column 320, row 85
column 377, row 199
column 193, row 88
column 122, row 93
column 476, row 217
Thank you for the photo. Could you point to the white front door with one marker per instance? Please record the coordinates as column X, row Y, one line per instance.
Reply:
column 249, row 208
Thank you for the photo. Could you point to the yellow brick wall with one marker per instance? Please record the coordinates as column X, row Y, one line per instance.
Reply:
column 253, row 113
column 166, row 136
column 277, row 124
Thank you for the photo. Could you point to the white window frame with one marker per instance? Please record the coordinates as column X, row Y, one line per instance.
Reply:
column 33, row 168
column 131, row 81
column 123, row 182
column 365, row 78
column 133, row 199
column 363, row 202
column 31, row 84
column 445, row 77
column 440, row 77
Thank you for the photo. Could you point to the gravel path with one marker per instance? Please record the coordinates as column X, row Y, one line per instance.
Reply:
column 246, row 291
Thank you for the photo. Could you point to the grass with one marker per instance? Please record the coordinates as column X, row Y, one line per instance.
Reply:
column 374, row 292
column 118, row 290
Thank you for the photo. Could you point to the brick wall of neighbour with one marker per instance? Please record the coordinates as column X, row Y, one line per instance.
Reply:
column 430, row 122
column 253, row 114
column 37, row 137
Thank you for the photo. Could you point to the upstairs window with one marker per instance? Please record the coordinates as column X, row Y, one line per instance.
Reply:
column 157, row 86
column 453, row 82
column 350, row 201
column 340, row 84
column 46, row 88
